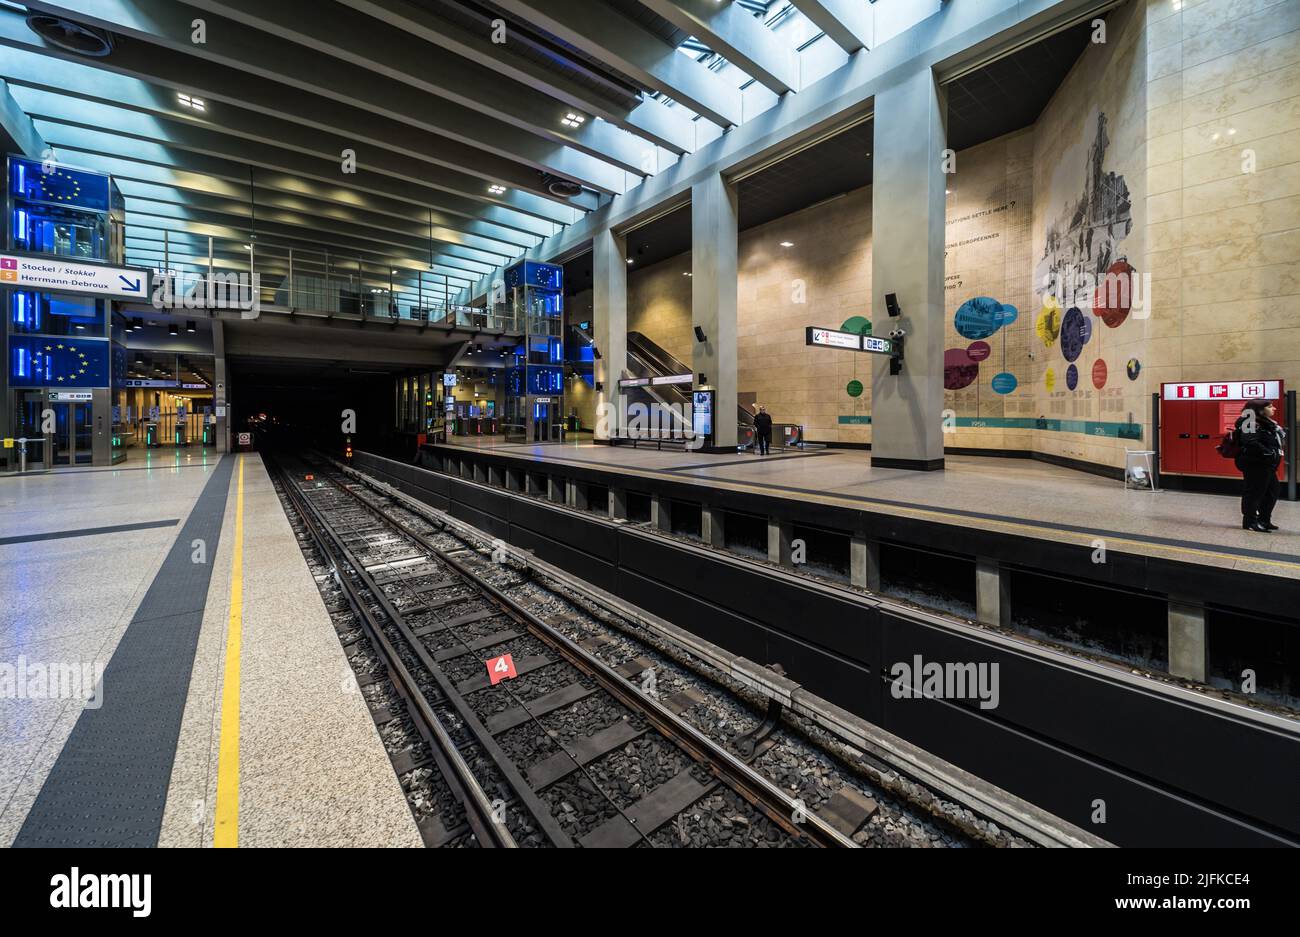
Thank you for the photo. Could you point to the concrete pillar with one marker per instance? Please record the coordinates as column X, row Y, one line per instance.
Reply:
column 907, row 238
column 1188, row 650
column 661, row 513
column 992, row 597
column 221, row 377
column 713, row 526
column 864, row 563
column 577, row 495
column 618, row 503
column 778, row 540
column 713, row 297
column 609, row 326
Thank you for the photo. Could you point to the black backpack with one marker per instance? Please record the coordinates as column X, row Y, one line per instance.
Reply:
column 1230, row 447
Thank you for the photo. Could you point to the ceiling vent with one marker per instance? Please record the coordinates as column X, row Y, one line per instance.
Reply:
column 560, row 188
column 70, row 36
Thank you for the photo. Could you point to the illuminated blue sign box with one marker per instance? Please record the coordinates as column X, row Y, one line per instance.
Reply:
column 50, row 362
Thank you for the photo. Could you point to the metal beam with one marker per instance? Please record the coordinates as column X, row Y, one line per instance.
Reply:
column 237, row 215
column 650, row 119
column 394, row 53
column 741, row 37
column 135, row 76
column 604, row 33
column 849, row 23
column 212, row 154
column 317, row 212
column 203, row 136
column 216, row 177
column 258, row 55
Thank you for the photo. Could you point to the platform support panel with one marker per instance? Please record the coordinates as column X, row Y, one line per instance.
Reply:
column 618, row 503
column 555, row 489
column 713, row 526
column 779, row 533
column 992, row 596
column 577, row 495
column 661, row 513
column 514, row 480
column 1188, row 649
column 864, row 563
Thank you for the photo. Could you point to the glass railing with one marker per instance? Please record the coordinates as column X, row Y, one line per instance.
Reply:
column 310, row 281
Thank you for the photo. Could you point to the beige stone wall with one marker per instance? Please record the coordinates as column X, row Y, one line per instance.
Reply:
column 1223, row 236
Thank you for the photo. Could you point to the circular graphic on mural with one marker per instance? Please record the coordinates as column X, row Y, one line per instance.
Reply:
column 1004, row 383
column 1113, row 297
column 1072, row 377
column 1134, row 368
column 1099, row 374
column 1076, row 329
column 854, row 389
column 958, row 370
column 981, row 317
column 859, row 325
column 978, row 351
column 1050, row 379
column 1048, row 323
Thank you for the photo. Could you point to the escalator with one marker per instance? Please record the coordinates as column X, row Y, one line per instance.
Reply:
column 646, row 359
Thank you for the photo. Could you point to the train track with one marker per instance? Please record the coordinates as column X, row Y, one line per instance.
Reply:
column 588, row 755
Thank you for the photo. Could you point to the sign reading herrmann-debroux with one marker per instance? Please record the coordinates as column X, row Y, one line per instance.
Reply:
column 66, row 275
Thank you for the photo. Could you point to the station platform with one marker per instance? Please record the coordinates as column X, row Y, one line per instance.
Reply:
column 1020, row 497
column 226, row 713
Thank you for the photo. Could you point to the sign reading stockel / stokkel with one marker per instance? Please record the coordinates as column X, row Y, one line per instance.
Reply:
column 62, row 275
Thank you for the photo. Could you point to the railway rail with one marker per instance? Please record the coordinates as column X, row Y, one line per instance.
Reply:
column 588, row 756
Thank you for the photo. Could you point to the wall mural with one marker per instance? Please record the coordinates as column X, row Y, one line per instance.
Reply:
column 1080, row 277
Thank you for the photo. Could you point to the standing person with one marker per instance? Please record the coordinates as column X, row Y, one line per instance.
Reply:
column 1261, row 442
column 762, row 431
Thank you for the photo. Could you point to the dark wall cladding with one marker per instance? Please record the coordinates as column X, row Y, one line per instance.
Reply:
column 1064, row 734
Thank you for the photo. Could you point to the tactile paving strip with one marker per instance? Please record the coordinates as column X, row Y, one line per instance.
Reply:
column 109, row 784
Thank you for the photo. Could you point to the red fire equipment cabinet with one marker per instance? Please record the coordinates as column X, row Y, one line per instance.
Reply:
column 1194, row 418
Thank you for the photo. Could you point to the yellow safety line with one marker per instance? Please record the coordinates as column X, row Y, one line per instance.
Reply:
column 226, row 834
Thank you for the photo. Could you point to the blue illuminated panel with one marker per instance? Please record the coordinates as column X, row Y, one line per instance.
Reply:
column 50, row 362
column 60, row 186
column 539, row 275
column 545, row 380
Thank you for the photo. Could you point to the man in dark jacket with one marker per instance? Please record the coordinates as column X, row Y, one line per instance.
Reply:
column 1261, row 442
column 762, row 431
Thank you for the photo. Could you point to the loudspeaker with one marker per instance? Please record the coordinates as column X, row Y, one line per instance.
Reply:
column 891, row 304
column 704, row 380
column 699, row 335
column 595, row 352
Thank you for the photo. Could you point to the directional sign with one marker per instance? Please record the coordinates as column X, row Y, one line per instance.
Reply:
column 501, row 668
column 830, row 338
column 61, row 275
column 850, row 341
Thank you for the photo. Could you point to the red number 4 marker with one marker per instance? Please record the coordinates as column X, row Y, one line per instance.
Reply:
column 501, row 668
